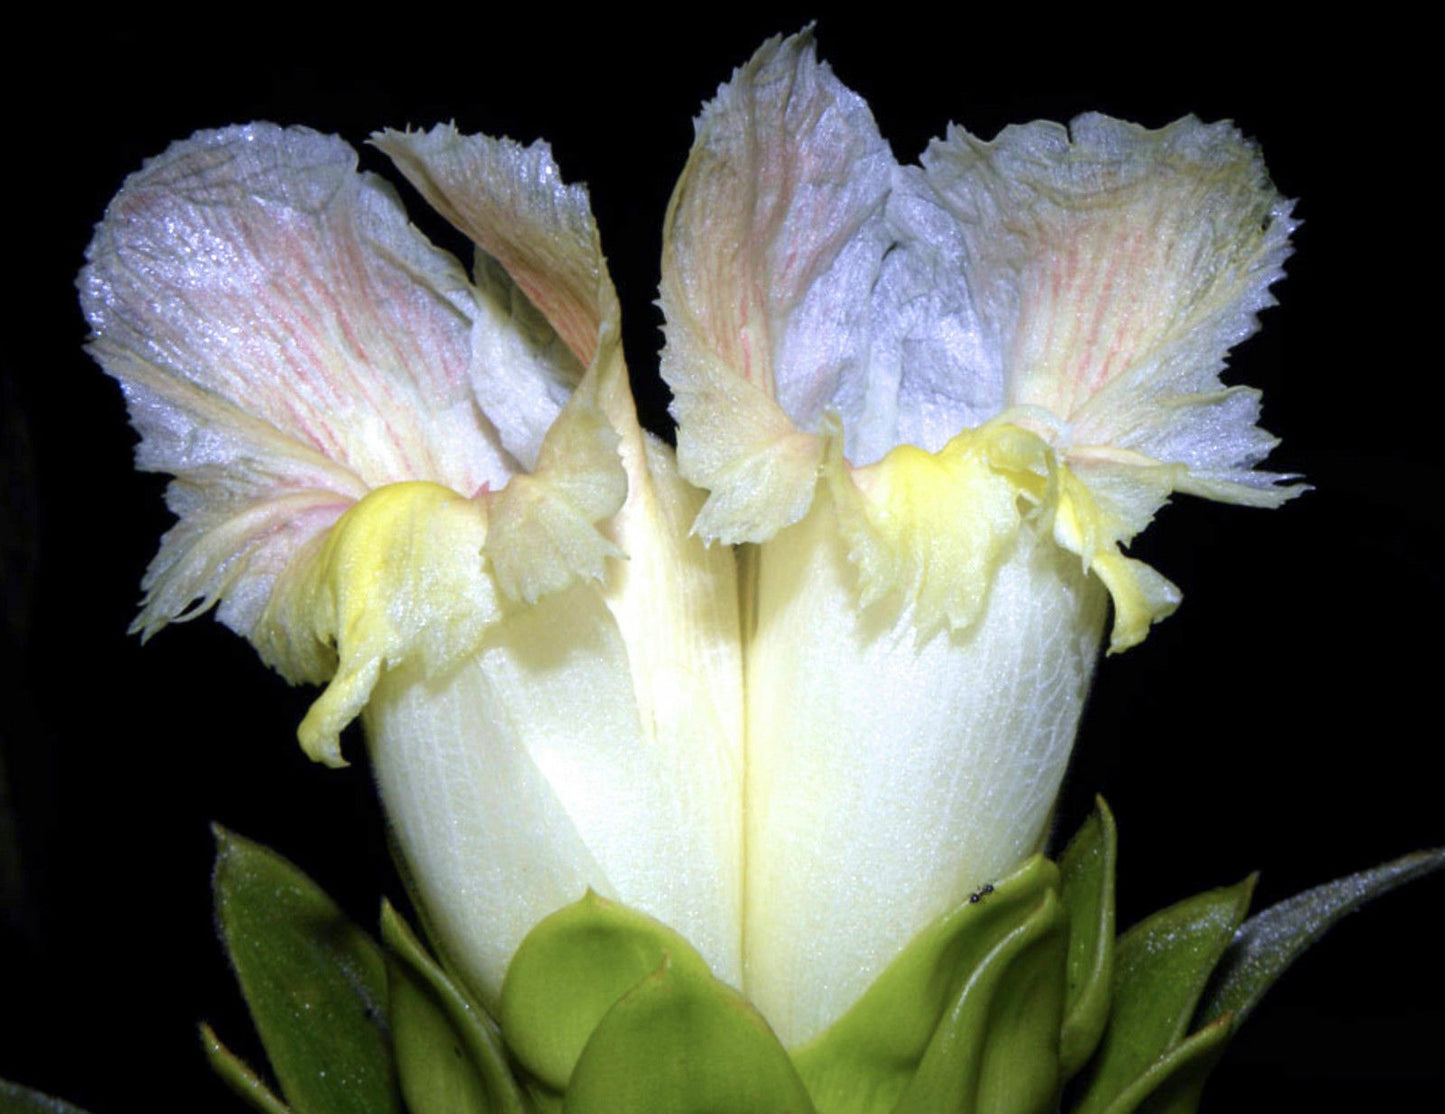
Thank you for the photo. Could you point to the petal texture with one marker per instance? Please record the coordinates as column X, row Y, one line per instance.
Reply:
column 891, row 775
column 1083, row 283
column 594, row 741
column 1118, row 266
column 639, row 746
column 773, row 240
column 322, row 382
column 1122, row 264
column 511, row 201
column 287, row 341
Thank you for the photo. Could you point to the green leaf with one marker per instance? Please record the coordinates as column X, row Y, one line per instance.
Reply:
column 997, row 1049
column 314, row 982
column 865, row 1060
column 1173, row 1084
column 1086, row 874
column 449, row 1057
column 570, row 970
column 1270, row 941
column 682, row 1042
column 1161, row 966
column 238, row 1076
column 15, row 1099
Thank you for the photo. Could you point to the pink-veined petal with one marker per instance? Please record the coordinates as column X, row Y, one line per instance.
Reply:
column 562, row 410
column 1125, row 263
column 287, row 341
column 511, row 201
column 772, row 242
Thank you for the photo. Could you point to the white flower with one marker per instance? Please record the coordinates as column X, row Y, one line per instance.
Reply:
column 409, row 485
column 941, row 399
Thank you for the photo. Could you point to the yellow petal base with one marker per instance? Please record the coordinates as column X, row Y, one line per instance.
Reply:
column 934, row 527
column 400, row 577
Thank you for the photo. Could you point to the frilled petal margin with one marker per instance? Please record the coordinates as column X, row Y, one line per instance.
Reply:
column 291, row 348
column 1122, row 264
column 1083, row 284
column 773, row 238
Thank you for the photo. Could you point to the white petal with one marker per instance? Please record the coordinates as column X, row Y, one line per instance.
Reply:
column 562, row 406
column 772, row 242
column 936, row 364
column 889, row 776
column 522, row 372
column 511, row 201
column 248, row 498
column 544, row 533
column 532, row 773
column 283, row 334
column 1124, row 264
column 675, row 602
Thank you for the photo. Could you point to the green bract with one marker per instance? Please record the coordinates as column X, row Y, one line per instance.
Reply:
column 993, row 1009
column 572, row 969
column 449, row 1056
column 1087, row 887
column 314, row 982
column 870, row 1058
column 681, row 1041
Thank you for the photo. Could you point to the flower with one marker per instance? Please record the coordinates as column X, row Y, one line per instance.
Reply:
column 415, row 488
column 935, row 403
column 940, row 399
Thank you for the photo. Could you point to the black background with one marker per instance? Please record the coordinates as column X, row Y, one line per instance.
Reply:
column 1286, row 719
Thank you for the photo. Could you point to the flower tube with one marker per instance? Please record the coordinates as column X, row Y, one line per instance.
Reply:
column 429, row 492
column 939, row 400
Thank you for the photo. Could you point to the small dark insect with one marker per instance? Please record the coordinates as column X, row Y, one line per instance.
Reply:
column 975, row 898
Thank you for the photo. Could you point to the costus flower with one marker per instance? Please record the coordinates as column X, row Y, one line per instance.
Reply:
column 941, row 399
column 416, row 487
column 932, row 404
